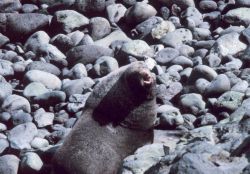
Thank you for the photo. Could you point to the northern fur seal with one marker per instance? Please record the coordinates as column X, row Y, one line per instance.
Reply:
column 119, row 118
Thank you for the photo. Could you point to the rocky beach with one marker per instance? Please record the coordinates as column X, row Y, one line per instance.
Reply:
column 54, row 52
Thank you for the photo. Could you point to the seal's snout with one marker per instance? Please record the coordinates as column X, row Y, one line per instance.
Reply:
column 147, row 78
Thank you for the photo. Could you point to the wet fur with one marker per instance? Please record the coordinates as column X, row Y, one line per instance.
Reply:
column 119, row 118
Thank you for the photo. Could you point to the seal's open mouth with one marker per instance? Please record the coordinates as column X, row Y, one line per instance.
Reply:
column 147, row 78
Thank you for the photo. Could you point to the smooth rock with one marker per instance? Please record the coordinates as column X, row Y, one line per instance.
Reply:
column 36, row 40
column 10, row 6
column 47, row 79
column 21, row 136
column 90, row 6
column 5, row 90
column 228, row 44
column 4, row 144
column 87, row 54
column 170, row 117
column 50, row 52
column 139, row 12
column 15, row 102
column 238, row 16
column 143, row 29
column 3, row 40
column 104, row 65
column 19, row 26
column 144, row 159
column 218, row 86
column 161, row 29
column 230, row 100
column 202, row 71
column 6, row 68
column 9, row 164
column 62, row 42
column 176, row 38
column 77, row 72
column 29, row 8
column 30, row 163
column 50, row 98
column 112, row 37
column 192, row 103
column 77, row 102
column 43, row 66
column 34, row 89
column 166, row 55
column 66, row 21
column 20, row 117
column 99, row 27
column 43, row 118
column 115, row 12
column 39, row 143
column 77, row 86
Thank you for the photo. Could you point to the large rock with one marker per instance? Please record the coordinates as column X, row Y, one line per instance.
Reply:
column 67, row 21
column 15, row 102
column 9, row 164
column 43, row 66
column 238, row 16
column 10, row 6
column 77, row 86
column 139, row 12
column 19, row 26
column 87, row 54
column 5, row 90
column 99, row 27
column 34, row 89
column 113, row 36
column 31, row 163
column 43, row 118
column 90, row 6
column 177, row 37
column 228, row 44
column 21, row 136
column 36, row 40
column 192, row 103
column 49, row 80
column 144, row 159
column 6, row 68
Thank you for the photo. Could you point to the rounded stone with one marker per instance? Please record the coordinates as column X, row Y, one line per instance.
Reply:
column 67, row 21
column 30, row 163
column 15, row 102
column 47, row 79
column 139, row 12
column 99, row 27
column 34, row 89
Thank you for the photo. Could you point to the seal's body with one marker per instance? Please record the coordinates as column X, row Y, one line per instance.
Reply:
column 118, row 118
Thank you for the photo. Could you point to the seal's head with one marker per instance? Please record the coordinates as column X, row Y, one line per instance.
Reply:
column 131, row 100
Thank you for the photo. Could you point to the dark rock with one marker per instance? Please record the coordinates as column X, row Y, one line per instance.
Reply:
column 87, row 54
column 19, row 26
column 139, row 12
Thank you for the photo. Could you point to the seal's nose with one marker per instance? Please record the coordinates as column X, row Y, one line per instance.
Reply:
column 147, row 78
